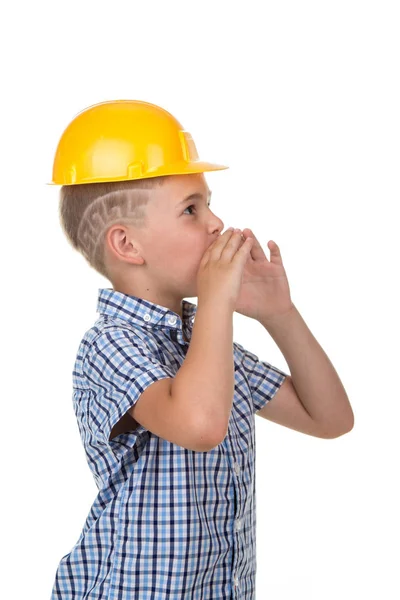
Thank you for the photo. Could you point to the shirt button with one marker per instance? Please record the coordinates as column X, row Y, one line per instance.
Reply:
column 172, row 320
column 147, row 317
column 238, row 524
column 236, row 581
column 237, row 468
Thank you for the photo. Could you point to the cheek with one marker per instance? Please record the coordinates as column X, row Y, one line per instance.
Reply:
column 178, row 244
column 173, row 247
column 185, row 251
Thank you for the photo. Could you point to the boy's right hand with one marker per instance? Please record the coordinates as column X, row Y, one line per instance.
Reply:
column 219, row 277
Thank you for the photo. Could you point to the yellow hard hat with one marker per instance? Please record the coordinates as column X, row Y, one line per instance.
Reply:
column 125, row 139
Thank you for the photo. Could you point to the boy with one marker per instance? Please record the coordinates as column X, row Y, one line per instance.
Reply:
column 164, row 399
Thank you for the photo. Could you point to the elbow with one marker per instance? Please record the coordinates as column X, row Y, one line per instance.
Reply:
column 208, row 441
column 349, row 424
column 339, row 432
column 345, row 426
column 219, row 438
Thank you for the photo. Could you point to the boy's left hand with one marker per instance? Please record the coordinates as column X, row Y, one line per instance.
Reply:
column 265, row 289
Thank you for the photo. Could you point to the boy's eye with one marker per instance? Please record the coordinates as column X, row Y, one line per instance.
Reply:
column 193, row 206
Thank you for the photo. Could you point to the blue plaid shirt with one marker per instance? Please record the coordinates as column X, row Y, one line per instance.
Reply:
column 167, row 523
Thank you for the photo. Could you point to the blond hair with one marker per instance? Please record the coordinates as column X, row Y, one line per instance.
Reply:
column 88, row 210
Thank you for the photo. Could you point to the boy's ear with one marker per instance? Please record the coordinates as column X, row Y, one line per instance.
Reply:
column 123, row 245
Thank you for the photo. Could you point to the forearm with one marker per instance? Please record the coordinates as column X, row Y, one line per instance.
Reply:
column 204, row 383
column 316, row 382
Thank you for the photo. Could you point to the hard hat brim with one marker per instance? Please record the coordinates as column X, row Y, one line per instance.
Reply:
column 181, row 168
column 185, row 168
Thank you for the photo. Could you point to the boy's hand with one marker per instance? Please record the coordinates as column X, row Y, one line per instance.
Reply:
column 265, row 289
column 221, row 269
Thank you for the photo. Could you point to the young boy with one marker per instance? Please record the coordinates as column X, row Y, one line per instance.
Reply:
column 164, row 399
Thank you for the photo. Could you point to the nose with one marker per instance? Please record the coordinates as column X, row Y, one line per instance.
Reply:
column 220, row 227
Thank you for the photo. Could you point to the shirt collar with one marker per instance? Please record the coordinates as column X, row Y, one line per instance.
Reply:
column 142, row 312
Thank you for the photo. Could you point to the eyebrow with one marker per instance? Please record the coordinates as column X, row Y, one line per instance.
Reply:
column 195, row 196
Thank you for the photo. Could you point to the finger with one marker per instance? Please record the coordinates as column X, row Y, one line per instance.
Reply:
column 275, row 252
column 223, row 238
column 232, row 245
column 257, row 253
column 245, row 249
column 217, row 247
column 245, row 245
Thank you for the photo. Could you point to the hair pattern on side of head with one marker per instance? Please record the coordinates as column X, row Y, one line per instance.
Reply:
column 88, row 210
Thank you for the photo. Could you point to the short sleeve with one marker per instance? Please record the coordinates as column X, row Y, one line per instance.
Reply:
column 263, row 378
column 118, row 367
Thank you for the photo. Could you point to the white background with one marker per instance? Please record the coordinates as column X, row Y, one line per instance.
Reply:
column 301, row 100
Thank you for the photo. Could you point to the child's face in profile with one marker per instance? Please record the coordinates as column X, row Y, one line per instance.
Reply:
column 180, row 231
column 164, row 257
